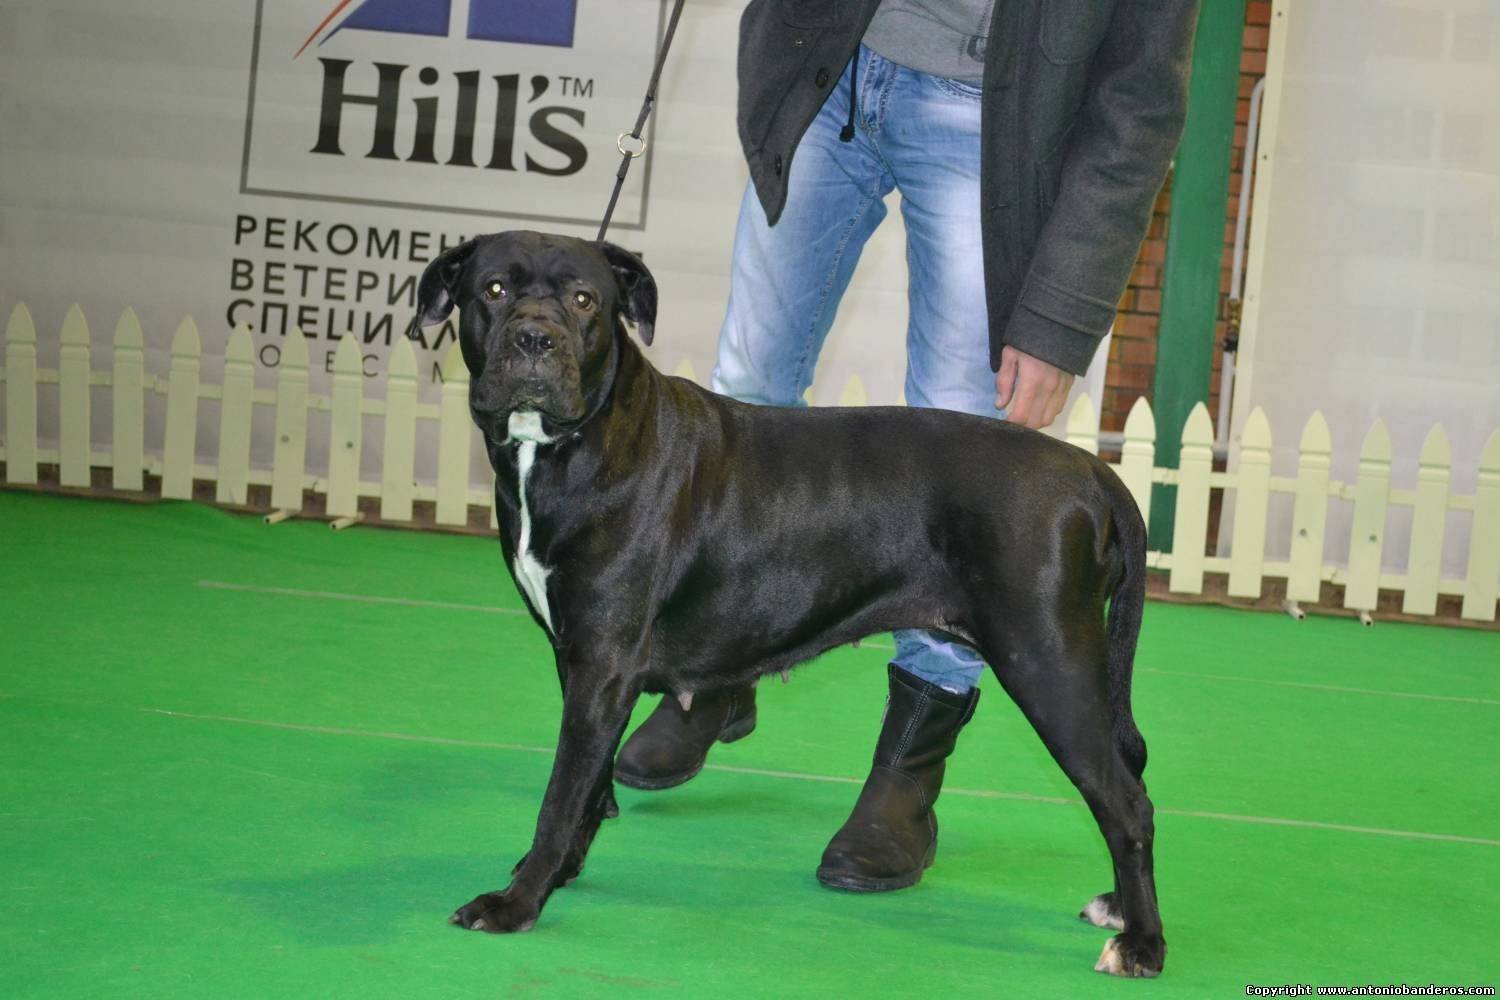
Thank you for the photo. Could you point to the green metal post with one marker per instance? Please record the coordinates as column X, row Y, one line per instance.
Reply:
column 1195, row 243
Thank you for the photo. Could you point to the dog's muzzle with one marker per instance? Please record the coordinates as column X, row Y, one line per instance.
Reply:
column 532, row 368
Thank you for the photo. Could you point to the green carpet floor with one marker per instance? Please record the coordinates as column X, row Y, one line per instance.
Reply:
column 219, row 778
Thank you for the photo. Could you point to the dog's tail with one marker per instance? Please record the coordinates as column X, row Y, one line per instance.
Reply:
column 1126, row 602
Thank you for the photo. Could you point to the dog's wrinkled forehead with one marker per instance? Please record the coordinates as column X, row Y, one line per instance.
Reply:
column 532, row 263
column 537, row 264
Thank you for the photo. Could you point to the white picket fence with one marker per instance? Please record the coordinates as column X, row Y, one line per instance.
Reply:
column 1247, row 567
column 233, row 475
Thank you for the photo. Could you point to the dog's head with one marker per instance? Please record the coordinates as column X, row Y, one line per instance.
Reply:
column 537, row 321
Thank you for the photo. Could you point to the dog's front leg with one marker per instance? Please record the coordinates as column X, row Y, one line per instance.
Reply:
column 596, row 710
column 610, row 806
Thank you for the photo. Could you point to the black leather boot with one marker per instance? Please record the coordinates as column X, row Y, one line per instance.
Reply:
column 890, row 838
column 670, row 747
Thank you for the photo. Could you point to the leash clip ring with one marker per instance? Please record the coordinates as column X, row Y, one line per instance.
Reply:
column 632, row 151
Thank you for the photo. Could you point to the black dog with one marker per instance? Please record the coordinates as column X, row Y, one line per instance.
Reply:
column 673, row 540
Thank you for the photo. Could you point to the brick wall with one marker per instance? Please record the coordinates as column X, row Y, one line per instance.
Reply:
column 1132, row 355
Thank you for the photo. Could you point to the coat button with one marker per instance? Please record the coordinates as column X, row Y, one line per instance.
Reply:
column 776, row 165
column 821, row 78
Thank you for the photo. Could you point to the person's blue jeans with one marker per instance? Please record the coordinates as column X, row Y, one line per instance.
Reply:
column 917, row 133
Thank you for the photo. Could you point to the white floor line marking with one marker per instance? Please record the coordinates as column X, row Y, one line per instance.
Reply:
column 1321, row 687
column 331, row 595
column 976, row 793
column 864, row 644
column 1343, row 827
column 337, row 731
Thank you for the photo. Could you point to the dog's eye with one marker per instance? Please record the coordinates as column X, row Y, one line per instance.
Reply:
column 583, row 300
column 494, row 291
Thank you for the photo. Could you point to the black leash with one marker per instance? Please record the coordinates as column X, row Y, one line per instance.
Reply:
column 638, row 146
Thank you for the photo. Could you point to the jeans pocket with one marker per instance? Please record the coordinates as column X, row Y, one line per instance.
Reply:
column 959, row 88
column 1073, row 29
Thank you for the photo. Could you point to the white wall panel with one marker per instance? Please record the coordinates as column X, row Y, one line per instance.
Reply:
column 1374, row 281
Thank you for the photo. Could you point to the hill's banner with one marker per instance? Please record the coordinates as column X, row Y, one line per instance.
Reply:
column 406, row 106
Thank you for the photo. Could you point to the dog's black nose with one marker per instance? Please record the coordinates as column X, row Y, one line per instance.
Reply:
column 533, row 341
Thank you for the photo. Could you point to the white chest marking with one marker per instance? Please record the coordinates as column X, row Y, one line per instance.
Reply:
column 526, row 428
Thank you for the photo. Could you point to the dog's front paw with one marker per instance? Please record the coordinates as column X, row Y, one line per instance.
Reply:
column 497, row 913
column 1133, row 955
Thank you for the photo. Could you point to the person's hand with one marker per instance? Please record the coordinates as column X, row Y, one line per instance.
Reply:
column 1029, row 389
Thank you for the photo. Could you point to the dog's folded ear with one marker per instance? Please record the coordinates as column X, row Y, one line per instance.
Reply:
column 435, row 292
column 637, row 289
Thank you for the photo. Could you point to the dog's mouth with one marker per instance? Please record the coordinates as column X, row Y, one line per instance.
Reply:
column 531, row 392
column 555, row 393
column 559, row 404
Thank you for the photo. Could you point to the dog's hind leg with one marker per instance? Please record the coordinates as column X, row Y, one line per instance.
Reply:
column 1062, row 689
column 1126, row 601
column 1104, row 909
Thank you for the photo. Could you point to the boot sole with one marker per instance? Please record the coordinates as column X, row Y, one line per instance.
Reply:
column 845, row 881
column 733, row 733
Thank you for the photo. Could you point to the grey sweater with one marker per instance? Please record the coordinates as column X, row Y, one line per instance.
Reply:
column 940, row 37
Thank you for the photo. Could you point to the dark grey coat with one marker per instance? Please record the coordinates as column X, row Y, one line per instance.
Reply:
column 1084, row 102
